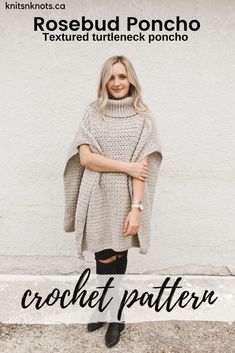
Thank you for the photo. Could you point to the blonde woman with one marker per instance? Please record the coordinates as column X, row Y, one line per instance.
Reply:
column 110, row 176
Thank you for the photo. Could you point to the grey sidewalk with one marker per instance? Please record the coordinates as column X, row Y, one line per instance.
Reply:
column 155, row 337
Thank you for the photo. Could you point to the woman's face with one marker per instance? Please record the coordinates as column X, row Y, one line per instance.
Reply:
column 118, row 85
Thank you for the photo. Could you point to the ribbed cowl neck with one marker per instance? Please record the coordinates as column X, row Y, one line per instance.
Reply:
column 120, row 108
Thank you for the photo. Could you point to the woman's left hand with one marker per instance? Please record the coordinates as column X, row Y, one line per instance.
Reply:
column 132, row 222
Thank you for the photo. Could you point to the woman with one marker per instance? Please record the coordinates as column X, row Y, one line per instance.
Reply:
column 111, row 174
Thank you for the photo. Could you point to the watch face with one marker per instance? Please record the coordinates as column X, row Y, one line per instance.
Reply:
column 138, row 205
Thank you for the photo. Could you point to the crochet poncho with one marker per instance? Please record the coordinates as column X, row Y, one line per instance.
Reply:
column 97, row 203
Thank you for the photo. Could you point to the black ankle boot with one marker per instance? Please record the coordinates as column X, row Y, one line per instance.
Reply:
column 93, row 326
column 113, row 333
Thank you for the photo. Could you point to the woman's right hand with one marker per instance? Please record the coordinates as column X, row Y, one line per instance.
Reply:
column 138, row 170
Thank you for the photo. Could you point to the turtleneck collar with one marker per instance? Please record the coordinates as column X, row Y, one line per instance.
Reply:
column 120, row 108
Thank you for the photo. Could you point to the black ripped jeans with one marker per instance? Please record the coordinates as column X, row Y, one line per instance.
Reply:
column 118, row 266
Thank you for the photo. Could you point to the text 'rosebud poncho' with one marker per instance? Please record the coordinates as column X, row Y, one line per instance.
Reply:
column 97, row 203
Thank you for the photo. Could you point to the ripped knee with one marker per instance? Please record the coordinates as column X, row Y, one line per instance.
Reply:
column 109, row 259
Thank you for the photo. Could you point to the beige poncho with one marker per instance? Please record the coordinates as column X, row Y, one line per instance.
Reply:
column 97, row 204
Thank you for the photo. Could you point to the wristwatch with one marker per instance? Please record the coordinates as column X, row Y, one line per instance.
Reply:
column 137, row 204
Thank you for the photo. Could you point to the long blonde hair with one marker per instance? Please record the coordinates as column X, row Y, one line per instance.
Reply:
column 135, row 90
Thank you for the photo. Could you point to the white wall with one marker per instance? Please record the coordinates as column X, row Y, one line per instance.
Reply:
column 45, row 88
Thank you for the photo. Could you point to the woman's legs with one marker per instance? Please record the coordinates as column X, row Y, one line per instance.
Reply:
column 110, row 262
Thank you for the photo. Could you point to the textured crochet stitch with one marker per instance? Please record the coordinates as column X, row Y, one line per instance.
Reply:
column 97, row 203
